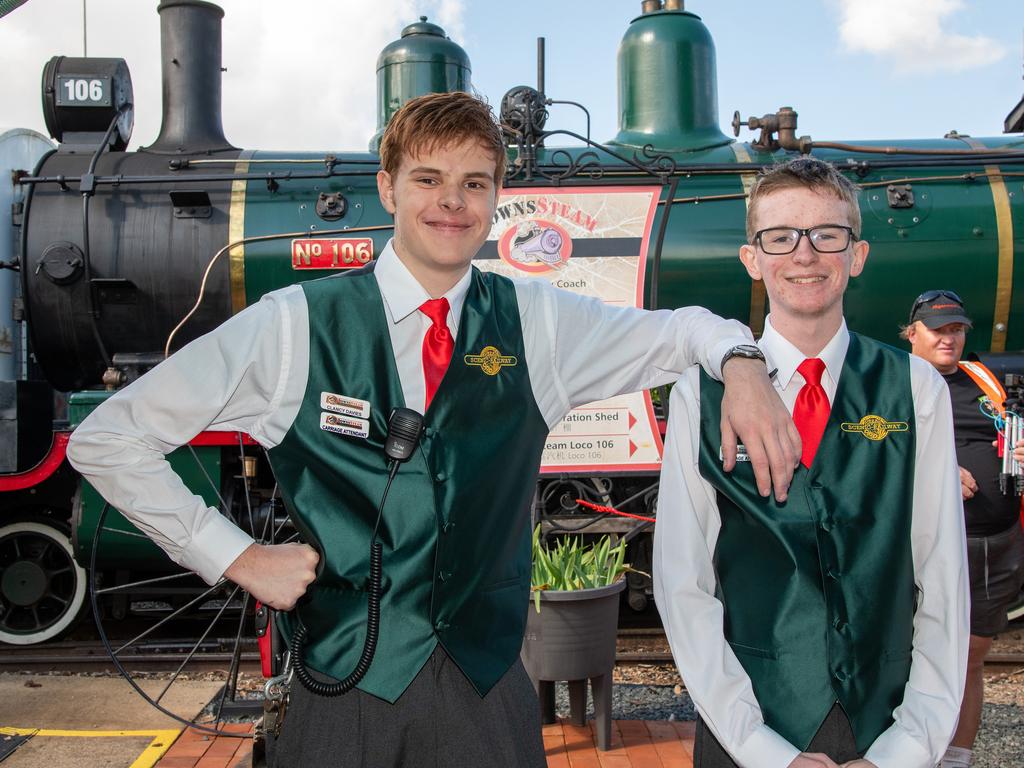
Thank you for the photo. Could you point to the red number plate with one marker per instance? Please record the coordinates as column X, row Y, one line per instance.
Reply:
column 331, row 253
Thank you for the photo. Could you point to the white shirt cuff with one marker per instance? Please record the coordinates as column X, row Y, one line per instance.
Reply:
column 896, row 748
column 215, row 546
column 765, row 748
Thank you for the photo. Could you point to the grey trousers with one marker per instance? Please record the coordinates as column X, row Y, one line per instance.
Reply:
column 834, row 738
column 439, row 722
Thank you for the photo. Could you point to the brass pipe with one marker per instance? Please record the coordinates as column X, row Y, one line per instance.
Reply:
column 910, row 150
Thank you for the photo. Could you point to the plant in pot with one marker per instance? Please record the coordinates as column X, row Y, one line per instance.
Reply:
column 572, row 624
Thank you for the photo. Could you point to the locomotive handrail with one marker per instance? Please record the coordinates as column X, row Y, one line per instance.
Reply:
column 57, row 453
column 257, row 239
column 859, row 166
column 119, row 179
column 49, row 464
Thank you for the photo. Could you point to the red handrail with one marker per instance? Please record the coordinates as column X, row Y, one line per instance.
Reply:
column 59, row 448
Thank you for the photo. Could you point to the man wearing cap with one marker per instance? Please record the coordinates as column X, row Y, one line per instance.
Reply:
column 830, row 629
column 937, row 331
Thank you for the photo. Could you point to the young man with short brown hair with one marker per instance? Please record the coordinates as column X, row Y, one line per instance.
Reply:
column 446, row 687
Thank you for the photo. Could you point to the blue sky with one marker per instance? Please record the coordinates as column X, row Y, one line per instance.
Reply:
column 795, row 56
column 853, row 69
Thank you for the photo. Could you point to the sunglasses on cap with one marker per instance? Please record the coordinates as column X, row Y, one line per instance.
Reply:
column 929, row 296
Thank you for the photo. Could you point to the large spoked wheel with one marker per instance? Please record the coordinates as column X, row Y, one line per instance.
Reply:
column 219, row 619
column 42, row 588
column 1016, row 611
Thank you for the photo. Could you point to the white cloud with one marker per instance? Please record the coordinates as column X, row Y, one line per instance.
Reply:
column 911, row 35
column 301, row 75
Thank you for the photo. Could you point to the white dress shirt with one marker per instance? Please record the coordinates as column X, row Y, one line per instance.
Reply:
column 684, row 575
column 250, row 375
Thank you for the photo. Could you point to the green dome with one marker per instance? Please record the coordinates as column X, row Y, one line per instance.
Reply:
column 423, row 60
column 668, row 87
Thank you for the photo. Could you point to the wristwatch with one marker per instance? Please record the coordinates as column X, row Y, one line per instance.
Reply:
column 749, row 351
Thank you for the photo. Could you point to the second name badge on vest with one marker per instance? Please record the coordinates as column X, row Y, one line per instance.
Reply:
column 349, row 406
column 344, row 425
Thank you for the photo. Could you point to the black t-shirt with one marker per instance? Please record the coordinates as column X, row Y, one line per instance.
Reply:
column 989, row 511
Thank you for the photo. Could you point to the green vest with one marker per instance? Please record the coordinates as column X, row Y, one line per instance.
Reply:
column 455, row 530
column 819, row 591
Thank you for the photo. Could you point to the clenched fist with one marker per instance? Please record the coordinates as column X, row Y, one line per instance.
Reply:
column 276, row 574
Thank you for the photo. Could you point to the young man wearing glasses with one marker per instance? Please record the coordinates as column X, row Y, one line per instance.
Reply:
column 830, row 629
column 937, row 332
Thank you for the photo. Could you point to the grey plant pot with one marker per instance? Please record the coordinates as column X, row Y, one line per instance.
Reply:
column 573, row 636
column 573, row 639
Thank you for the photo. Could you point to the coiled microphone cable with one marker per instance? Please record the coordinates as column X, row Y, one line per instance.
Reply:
column 405, row 426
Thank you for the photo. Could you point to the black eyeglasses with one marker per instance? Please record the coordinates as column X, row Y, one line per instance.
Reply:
column 928, row 296
column 825, row 238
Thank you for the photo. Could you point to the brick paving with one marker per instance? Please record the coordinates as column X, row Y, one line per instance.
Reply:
column 634, row 744
column 195, row 749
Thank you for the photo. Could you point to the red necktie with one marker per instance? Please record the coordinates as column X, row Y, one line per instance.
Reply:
column 437, row 346
column 811, row 410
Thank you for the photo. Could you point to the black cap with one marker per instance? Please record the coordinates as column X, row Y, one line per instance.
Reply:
column 938, row 308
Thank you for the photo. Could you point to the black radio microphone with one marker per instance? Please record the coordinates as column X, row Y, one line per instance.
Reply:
column 405, row 427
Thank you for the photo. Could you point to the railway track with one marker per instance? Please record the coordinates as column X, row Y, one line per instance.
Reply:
column 156, row 656
column 635, row 646
column 649, row 646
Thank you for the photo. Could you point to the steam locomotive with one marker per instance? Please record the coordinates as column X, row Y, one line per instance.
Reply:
column 123, row 257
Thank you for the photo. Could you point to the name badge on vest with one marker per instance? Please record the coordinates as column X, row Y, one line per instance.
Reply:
column 344, row 425
column 741, row 453
column 349, row 406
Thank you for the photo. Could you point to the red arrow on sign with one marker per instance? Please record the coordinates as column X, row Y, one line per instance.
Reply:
column 632, row 447
column 632, row 420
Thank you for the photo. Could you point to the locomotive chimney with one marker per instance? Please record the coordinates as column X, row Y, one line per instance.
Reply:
column 190, row 53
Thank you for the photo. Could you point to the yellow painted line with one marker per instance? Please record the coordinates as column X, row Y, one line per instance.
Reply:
column 161, row 740
column 1004, row 250
column 758, row 295
column 236, row 232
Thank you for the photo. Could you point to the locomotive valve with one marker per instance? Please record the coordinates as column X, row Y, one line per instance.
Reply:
column 783, row 122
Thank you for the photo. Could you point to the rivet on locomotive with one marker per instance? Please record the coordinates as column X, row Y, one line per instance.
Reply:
column 125, row 256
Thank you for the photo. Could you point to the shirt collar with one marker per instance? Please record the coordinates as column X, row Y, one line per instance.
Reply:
column 403, row 294
column 784, row 357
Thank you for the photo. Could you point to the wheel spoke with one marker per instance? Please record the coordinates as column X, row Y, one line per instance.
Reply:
column 170, row 616
column 209, row 479
column 199, row 642
column 41, row 555
column 143, row 582
column 55, row 598
column 121, row 532
column 245, row 486
column 6, row 615
column 236, row 655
